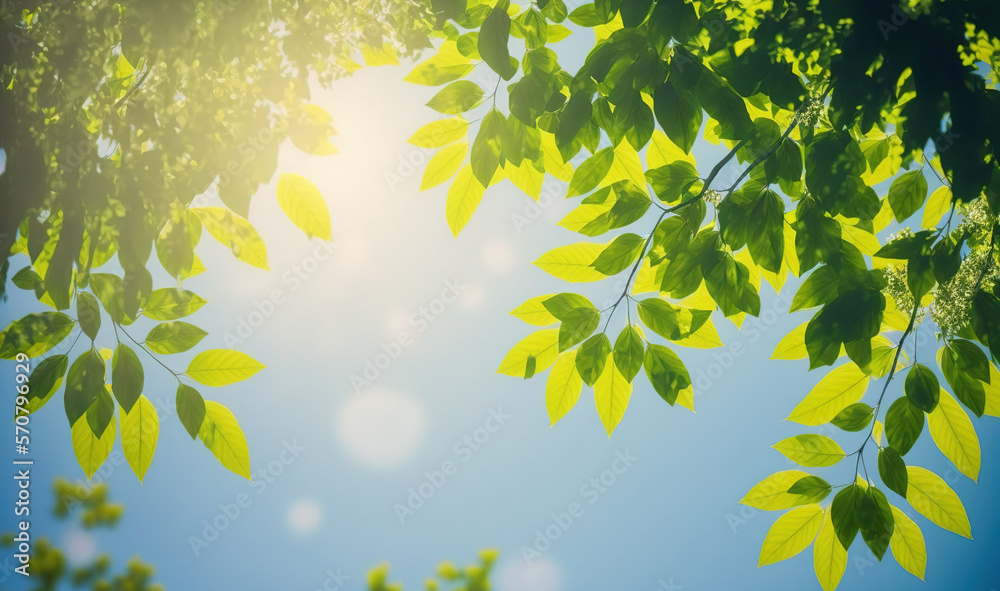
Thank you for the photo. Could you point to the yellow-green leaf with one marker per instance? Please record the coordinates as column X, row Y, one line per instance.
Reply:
column 534, row 312
column 935, row 500
column 384, row 55
column 840, row 388
column 661, row 151
column 221, row 367
column 222, row 435
column 953, row 433
column 562, row 390
column 993, row 393
column 572, row 262
column 771, row 494
column 706, row 337
column 526, row 178
column 907, row 544
column 811, row 450
column 443, row 165
column 91, row 450
column 236, row 233
column 553, row 161
column 791, row 533
column 937, row 205
column 612, row 392
column 792, row 345
column 533, row 354
column 303, row 204
column 440, row 133
column 829, row 556
column 463, row 198
column 140, row 430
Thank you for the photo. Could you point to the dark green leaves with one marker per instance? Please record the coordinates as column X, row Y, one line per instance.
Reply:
column 666, row 372
column 45, row 380
column 88, row 313
column 907, row 193
column 458, row 97
column 854, row 418
column 844, row 513
column 903, row 425
column 619, row 255
column 591, row 358
column 190, row 409
column 485, row 154
column 875, row 521
column 109, row 289
column 126, row 377
column 671, row 181
column 820, row 288
column 493, row 37
column 591, row 172
column 629, row 352
column 960, row 367
column 892, row 470
column 922, row 388
column 34, row 334
column 678, row 113
column 754, row 215
column 83, row 383
column 813, row 488
column 669, row 321
column 577, row 325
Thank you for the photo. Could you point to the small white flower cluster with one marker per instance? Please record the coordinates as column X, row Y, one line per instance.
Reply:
column 712, row 196
column 897, row 288
column 953, row 298
column 904, row 233
column 977, row 217
column 810, row 112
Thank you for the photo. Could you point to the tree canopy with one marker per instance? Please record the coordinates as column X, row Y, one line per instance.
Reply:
column 837, row 122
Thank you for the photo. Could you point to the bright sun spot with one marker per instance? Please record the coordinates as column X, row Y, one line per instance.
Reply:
column 80, row 546
column 541, row 575
column 381, row 429
column 498, row 257
column 304, row 516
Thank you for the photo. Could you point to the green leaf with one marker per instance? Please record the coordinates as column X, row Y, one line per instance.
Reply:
column 591, row 172
column 820, row 288
column 576, row 326
column 967, row 388
column 236, row 233
column 456, row 98
column 443, row 165
column 907, row 544
column 171, row 303
column 875, row 521
column 666, row 373
column 88, row 313
column 791, row 533
column 45, row 380
column 844, row 514
column 562, row 390
column 533, row 354
column 612, row 392
column 922, row 388
column 485, row 156
column 678, row 113
column 34, row 334
column 811, row 450
column 907, row 194
column 221, row 367
column 620, row 254
column 840, row 388
column 854, row 418
column 892, row 470
column 190, row 409
column 903, row 424
column 493, row 36
column 126, row 376
column 562, row 305
column 302, row 203
column 672, row 180
column 140, row 430
column 440, row 133
column 222, row 435
column 91, row 451
column 447, row 65
column 669, row 321
column 84, row 382
column 174, row 337
column 109, row 289
column 591, row 358
column 813, row 488
column 629, row 352
column 535, row 312
column 954, row 435
column 101, row 412
column 935, row 500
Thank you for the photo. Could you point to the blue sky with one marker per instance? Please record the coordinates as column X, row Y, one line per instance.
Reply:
column 669, row 520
